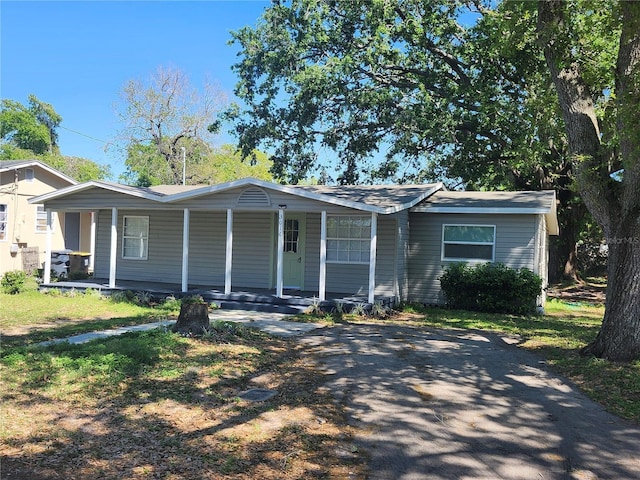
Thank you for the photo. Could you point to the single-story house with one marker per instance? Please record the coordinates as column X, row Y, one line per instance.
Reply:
column 373, row 241
column 23, row 226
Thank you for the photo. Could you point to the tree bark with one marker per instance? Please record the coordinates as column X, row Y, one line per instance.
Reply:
column 619, row 336
column 614, row 205
column 193, row 319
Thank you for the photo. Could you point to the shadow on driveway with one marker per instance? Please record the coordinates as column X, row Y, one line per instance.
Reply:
column 459, row 405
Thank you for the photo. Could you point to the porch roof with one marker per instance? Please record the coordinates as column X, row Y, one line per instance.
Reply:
column 495, row 203
column 384, row 199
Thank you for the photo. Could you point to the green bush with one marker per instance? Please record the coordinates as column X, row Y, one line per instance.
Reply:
column 491, row 287
column 13, row 282
column 193, row 300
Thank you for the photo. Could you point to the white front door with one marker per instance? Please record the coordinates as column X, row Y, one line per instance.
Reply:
column 293, row 251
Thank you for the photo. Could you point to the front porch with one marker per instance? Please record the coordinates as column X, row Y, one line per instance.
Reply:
column 253, row 299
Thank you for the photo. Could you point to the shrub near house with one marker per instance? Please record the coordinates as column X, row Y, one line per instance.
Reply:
column 13, row 282
column 491, row 287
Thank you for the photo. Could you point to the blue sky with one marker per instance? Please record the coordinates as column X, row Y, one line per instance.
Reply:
column 77, row 55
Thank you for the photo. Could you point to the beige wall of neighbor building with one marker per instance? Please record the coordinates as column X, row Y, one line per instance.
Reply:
column 22, row 225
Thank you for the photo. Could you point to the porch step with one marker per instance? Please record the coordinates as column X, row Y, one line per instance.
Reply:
column 260, row 307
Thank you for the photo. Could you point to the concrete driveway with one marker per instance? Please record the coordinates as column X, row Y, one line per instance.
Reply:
column 459, row 405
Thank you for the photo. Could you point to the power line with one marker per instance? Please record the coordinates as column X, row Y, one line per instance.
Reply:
column 92, row 138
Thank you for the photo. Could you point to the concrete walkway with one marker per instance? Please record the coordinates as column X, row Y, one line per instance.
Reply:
column 273, row 323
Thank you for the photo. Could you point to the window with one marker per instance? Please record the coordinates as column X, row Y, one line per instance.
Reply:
column 135, row 238
column 291, row 235
column 348, row 239
column 41, row 219
column 468, row 242
column 29, row 174
column 3, row 221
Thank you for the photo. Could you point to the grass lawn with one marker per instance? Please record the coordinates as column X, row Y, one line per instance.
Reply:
column 32, row 317
column 156, row 404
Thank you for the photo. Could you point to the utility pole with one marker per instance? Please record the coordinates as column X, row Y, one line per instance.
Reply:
column 184, row 166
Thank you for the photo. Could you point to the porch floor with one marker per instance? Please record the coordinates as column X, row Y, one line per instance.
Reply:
column 292, row 301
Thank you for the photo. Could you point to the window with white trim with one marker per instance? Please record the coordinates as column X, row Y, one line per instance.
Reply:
column 135, row 237
column 41, row 219
column 468, row 242
column 3, row 221
column 29, row 174
column 348, row 239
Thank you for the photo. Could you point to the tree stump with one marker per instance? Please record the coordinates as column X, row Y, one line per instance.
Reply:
column 193, row 319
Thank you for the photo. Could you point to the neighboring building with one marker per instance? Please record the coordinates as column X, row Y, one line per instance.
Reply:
column 23, row 225
column 371, row 241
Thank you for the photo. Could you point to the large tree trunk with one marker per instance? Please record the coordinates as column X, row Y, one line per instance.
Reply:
column 614, row 205
column 563, row 254
column 619, row 337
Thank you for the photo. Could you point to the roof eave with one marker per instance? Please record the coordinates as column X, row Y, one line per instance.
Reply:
column 44, row 166
column 551, row 217
column 91, row 184
column 483, row 210
column 292, row 190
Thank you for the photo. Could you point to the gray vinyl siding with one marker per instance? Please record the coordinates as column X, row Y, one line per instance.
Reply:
column 386, row 256
column 164, row 261
column 98, row 198
column 252, row 243
column 515, row 247
column 402, row 269
column 353, row 278
column 253, row 252
column 312, row 253
column 207, row 248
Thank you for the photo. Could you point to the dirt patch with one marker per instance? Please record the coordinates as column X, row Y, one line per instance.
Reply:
column 581, row 292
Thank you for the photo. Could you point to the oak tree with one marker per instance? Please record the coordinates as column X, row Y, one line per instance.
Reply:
column 409, row 89
column 614, row 201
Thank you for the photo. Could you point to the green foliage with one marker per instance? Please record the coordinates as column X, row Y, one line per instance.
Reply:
column 226, row 329
column 30, row 132
column 32, row 127
column 378, row 310
column 123, row 296
column 417, row 80
column 491, row 287
column 171, row 303
column 80, row 169
column 193, row 300
column 95, row 365
column 13, row 282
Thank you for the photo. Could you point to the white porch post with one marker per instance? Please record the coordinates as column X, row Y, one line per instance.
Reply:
column 280, row 264
column 48, row 243
column 92, row 242
column 372, row 257
column 323, row 256
column 185, row 250
column 114, row 247
column 229, row 253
